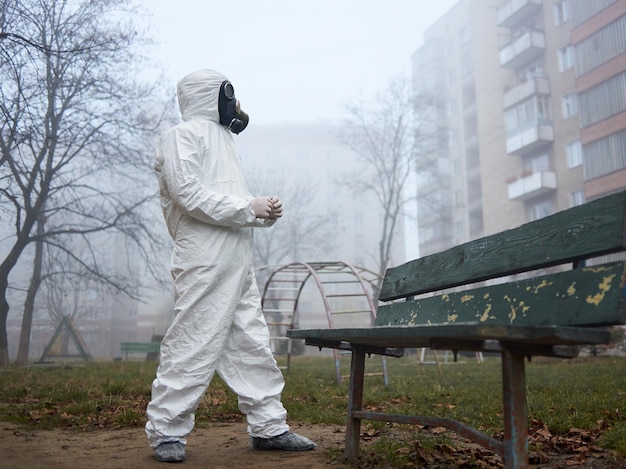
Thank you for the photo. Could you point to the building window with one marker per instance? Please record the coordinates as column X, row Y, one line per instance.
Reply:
column 535, row 69
column 603, row 101
column 527, row 112
column 576, row 198
column 582, row 10
column 540, row 210
column 565, row 57
column 605, row 156
column 537, row 164
column 601, row 47
column 561, row 12
column 569, row 105
column 574, row 153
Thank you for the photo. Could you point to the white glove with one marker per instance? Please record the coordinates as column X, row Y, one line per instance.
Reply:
column 277, row 207
column 262, row 207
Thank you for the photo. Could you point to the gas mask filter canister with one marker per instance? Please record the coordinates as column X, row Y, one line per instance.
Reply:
column 229, row 108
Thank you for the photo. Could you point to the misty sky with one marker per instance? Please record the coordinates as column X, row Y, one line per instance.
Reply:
column 293, row 60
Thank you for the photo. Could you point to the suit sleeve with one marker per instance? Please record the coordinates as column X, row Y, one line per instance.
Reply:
column 178, row 161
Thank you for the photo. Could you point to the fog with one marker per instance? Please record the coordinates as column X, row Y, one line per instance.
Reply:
column 292, row 60
column 523, row 126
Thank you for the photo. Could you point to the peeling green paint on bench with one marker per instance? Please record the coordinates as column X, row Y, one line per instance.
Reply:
column 591, row 295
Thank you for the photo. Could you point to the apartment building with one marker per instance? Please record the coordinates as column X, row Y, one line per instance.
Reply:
column 535, row 110
column 599, row 45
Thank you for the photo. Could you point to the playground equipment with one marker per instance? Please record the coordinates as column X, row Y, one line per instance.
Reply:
column 346, row 292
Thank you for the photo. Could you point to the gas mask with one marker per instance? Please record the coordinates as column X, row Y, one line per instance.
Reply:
column 230, row 111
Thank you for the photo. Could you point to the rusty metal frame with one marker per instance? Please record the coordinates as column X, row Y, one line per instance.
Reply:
column 316, row 270
column 513, row 450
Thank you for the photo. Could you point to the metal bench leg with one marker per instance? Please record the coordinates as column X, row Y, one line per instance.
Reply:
column 355, row 402
column 515, row 412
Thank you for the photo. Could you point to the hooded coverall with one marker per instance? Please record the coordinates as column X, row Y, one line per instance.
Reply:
column 218, row 323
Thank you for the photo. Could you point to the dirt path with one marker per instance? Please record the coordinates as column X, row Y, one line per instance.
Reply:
column 224, row 445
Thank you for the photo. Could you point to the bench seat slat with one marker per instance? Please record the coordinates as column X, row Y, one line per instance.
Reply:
column 589, row 230
column 585, row 296
column 421, row 336
column 491, row 346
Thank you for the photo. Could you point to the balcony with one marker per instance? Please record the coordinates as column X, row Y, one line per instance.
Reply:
column 531, row 138
column 536, row 85
column 514, row 12
column 523, row 49
column 532, row 185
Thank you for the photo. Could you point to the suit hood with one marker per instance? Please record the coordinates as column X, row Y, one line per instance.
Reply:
column 198, row 95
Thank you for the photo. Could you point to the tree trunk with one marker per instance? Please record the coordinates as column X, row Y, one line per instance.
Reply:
column 29, row 305
column 5, row 269
column 4, row 312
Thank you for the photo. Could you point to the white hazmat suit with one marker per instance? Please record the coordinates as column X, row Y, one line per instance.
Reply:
column 218, row 323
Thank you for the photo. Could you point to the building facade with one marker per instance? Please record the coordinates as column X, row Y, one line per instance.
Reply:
column 535, row 109
column 599, row 45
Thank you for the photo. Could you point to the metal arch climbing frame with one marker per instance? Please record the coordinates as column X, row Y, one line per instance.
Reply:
column 282, row 293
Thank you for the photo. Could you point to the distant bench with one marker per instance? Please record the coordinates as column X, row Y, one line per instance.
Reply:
column 150, row 348
column 549, row 315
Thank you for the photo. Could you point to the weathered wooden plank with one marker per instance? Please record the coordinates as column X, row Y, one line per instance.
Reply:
column 486, row 345
column 585, row 296
column 422, row 336
column 588, row 230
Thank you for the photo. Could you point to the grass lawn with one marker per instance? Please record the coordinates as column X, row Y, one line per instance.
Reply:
column 587, row 395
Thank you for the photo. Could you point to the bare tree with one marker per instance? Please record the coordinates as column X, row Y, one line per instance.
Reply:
column 74, row 143
column 395, row 136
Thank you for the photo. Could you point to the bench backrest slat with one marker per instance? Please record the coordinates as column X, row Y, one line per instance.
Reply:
column 586, row 296
column 589, row 230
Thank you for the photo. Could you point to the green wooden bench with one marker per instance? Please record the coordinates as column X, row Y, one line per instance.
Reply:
column 546, row 315
column 150, row 348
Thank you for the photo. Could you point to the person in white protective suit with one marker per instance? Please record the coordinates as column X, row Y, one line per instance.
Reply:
column 218, row 325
